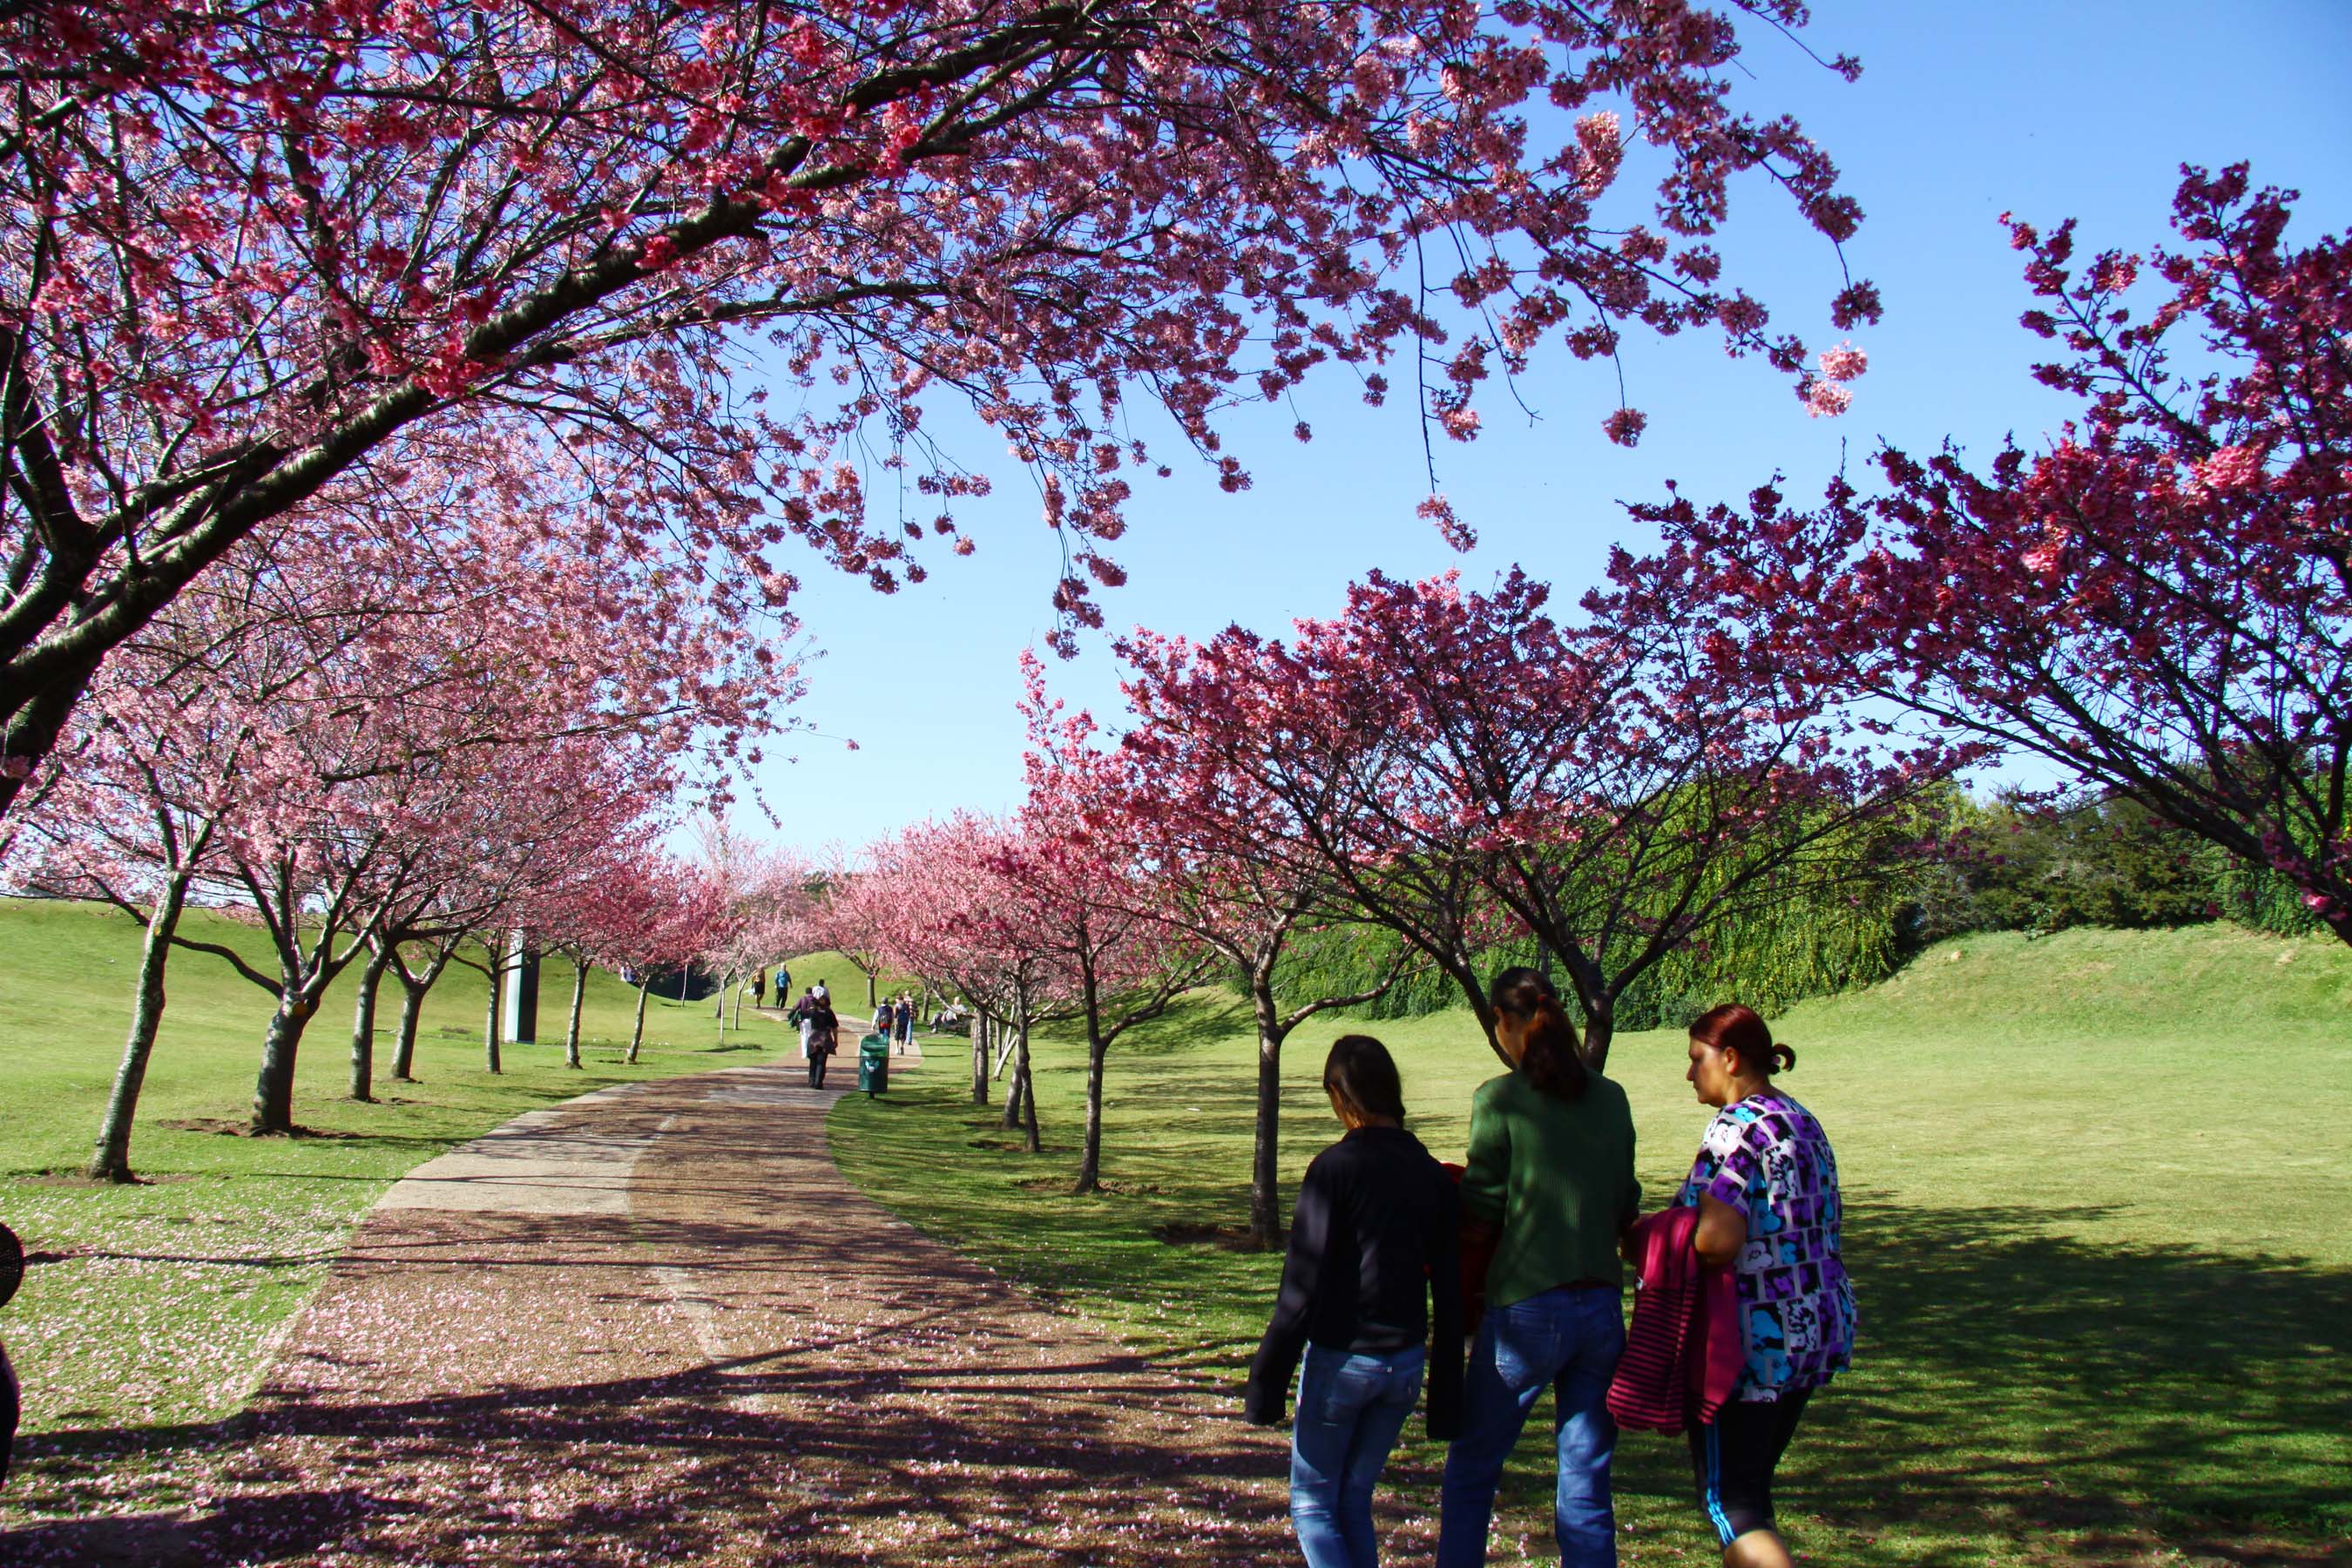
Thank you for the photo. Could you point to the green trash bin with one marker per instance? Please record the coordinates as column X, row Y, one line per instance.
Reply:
column 874, row 1064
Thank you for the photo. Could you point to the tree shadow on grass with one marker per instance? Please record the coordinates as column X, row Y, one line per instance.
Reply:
column 2019, row 1377
column 2017, row 1383
column 285, row 1525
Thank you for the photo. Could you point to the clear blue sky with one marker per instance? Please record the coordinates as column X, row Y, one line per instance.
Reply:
column 1962, row 112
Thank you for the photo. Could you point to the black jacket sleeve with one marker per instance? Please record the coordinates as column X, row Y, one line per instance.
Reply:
column 1444, row 1251
column 1311, row 1227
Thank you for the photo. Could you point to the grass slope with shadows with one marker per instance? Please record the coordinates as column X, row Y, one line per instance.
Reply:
column 150, row 1307
column 2092, row 1221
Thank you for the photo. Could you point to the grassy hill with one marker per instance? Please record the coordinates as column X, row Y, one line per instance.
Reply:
column 152, row 1304
column 2092, row 1221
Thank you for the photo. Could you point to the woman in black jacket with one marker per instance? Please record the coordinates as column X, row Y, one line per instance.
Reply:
column 1372, row 1280
column 825, row 1037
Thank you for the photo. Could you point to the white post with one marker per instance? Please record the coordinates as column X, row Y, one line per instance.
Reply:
column 520, row 998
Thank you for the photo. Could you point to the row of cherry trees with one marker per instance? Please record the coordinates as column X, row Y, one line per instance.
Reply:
column 385, row 526
column 261, row 260
column 1460, row 768
column 390, row 736
column 1736, row 725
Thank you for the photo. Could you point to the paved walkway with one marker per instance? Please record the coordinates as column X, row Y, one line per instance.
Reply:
column 655, row 1325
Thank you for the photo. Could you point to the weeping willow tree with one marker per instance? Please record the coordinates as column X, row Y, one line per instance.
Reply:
column 1814, row 936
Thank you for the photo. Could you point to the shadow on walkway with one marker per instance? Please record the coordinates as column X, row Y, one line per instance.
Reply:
column 752, row 1366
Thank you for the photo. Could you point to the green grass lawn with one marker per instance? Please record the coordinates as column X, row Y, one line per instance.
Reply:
column 2094, row 1221
column 152, row 1304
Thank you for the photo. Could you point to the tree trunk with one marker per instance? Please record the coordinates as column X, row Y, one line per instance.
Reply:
column 979, row 1058
column 870, row 994
column 572, row 1029
column 1012, row 1117
column 1018, row 1039
column 363, row 1023
column 412, row 1014
column 1266, row 1194
column 492, row 1022
column 638, row 1034
column 1600, row 1032
column 1097, row 1049
column 273, row 1090
column 110, row 1157
column 1026, row 1084
column 1598, row 1003
column 738, row 1024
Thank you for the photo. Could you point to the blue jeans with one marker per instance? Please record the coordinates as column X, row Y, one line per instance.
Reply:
column 1569, row 1339
column 1351, row 1409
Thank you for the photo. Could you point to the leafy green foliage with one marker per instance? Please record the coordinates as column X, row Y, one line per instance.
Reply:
column 1825, row 925
column 2013, row 865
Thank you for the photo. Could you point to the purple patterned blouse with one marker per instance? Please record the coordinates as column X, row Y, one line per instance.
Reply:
column 1768, row 1158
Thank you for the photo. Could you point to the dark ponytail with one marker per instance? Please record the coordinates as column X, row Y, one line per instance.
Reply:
column 1552, row 1060
column 1734, row 1027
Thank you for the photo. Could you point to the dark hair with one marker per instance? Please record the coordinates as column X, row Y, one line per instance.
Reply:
column 1736, row 1028
column 1551, row 1060
column 1362, row 1074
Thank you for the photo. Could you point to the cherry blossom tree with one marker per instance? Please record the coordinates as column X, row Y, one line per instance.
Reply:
column 768, row 905
column 849, row 915
column 1097, row 906
column 252, row 251
column 658, row 917
column 2157, row 604
column 1257, row 731
column 139, row 814
column 595, row 916
column 541, row 832
column 1611, row 790
column 1222, row 848
column 109, row 835
column 347, row 745
column 951, row 902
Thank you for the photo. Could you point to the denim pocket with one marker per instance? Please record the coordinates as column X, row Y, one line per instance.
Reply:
column 1349, row 1389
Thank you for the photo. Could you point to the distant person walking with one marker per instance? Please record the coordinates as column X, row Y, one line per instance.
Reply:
column 1372, row 1294
column 805, row 1014
column 1549, row 1182
column 760, row 987
column 905, row 1040
column 825, row 1039
column 885, row 1018
column 1766, row 1186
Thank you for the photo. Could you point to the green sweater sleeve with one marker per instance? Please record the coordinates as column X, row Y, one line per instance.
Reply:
column 1486, row 1171
column 1632, row 1210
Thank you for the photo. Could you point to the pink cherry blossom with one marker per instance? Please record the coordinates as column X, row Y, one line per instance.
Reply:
column 2157, row 602
column 703, row 268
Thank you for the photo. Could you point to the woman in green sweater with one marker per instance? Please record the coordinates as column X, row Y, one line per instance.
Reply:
column 1550, row 1180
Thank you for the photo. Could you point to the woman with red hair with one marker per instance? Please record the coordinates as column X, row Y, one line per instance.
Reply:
column 1766, row 1186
